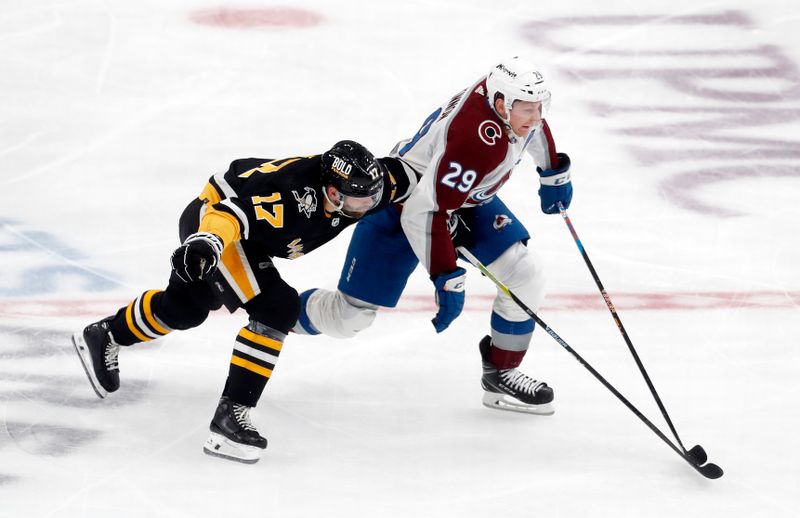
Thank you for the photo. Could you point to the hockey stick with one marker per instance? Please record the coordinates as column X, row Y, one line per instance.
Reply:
column 707, row 470
column 697, row 452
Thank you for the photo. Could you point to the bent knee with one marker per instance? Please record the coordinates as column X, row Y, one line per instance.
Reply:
column 277, row 308
column 178, row 313
column 522, row 271
column 355, row 318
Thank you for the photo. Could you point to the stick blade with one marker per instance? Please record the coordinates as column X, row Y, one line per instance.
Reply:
column 710, row 470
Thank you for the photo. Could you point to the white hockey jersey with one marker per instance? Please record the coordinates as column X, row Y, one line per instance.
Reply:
column 464, row 154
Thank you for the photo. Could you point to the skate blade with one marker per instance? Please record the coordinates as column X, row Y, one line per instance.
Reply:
column 503, row 402
column 86, row 362
column 220, row 446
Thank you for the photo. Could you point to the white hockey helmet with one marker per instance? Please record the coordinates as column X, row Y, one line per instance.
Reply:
column 517, row 80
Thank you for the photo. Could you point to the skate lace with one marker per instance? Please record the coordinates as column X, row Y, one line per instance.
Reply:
column 112, row 356
column 242, row 415
column 519, row 381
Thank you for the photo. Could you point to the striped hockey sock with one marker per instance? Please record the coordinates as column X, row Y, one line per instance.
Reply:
column 510, row 341
column 137, row 322
column 255, row 354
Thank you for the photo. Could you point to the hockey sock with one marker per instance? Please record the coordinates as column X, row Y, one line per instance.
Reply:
column 510, row 341
column 502, row 359
column 137, row 322
column 255, row 354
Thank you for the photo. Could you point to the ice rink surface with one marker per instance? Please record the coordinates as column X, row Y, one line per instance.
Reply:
column 681, row 118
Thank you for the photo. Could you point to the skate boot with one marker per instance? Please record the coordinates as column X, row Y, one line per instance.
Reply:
column 510, row 389
column 233, row 436
column 99, row 356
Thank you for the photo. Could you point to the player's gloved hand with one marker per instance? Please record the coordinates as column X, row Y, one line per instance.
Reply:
column 555, row 185
column 460, row 233
column 197, row 257
column 449, row 297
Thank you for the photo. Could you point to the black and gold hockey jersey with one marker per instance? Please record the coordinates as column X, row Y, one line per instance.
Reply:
column 277, row 209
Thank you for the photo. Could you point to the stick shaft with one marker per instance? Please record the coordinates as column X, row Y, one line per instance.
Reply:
column 618, row 322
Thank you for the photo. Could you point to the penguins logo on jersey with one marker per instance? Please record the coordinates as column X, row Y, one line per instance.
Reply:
column 489, row 132
column 306, row 202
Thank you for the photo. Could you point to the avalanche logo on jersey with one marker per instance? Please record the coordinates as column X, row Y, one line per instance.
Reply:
column 481, row 196
column 501, row 221
column 489, row 132
column 307, row 202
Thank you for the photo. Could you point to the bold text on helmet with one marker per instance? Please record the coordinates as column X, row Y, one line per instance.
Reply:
column 341, row 167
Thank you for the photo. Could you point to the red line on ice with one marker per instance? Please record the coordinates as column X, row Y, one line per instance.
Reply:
column 423, row 303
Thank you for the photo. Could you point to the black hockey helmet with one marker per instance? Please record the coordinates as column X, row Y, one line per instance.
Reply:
column 357, row 176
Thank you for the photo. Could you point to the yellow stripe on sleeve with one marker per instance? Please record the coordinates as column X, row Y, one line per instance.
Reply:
column 222, row 224
column 210, row 194
column 232, row 261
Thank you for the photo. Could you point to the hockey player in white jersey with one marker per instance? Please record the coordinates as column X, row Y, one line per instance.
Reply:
column 461, row 156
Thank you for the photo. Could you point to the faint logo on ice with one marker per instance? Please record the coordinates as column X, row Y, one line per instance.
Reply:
column 44, row 393
column 36, row 262
column 703, row 113
column 256, row 17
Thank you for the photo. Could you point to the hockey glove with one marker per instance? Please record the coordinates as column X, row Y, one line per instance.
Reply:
column 197, row 257
column 555, row 185
column 449, row 297
column 460, row 233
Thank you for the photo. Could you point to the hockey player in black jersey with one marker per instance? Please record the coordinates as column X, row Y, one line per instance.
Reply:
column 257, row 210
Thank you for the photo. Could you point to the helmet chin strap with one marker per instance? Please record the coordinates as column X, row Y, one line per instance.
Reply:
column 337, row 207
column 512, row 136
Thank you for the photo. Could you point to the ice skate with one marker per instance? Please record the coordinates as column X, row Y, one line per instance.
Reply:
column 510, row 389
column 233, row 436
column 99, row 356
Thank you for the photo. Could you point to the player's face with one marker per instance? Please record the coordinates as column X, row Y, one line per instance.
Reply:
column 352, row 206
column 525, row 116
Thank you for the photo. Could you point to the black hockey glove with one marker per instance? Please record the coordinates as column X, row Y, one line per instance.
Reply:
column 197, row 257
column 460, row 233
